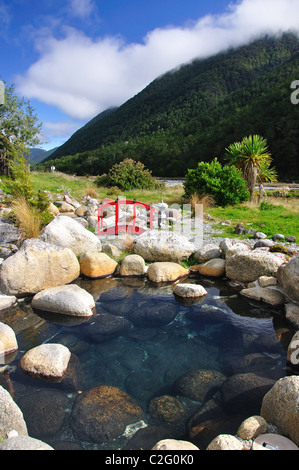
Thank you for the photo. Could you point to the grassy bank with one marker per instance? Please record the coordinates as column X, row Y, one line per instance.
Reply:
column 276, row 215
column 82, row 186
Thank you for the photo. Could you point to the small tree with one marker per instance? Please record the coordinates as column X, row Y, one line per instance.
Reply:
column 252, row 157
column 224, row 184
column 19, row 128
column 130, row 174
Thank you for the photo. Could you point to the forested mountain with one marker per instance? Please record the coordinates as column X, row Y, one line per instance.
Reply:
column 37, row 155
column 193, row 113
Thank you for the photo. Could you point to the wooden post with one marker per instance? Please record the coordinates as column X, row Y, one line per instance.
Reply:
column 116, row 216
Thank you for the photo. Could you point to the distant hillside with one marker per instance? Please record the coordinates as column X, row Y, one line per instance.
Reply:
column 193, row 113
column 39, row 155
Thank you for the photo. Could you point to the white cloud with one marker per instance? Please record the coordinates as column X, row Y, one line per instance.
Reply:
column 83, row 76
column 54, row 134
column 59, row 129
column 82, row 8
column 5, row 17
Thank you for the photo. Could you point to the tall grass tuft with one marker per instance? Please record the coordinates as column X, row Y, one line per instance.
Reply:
column 27, row 218
column 205, row 201
column 92, row 191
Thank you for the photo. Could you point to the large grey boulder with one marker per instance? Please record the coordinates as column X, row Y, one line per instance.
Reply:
column 280, row 407
column 234, row 248
column 292, row 314
column 11, row 417
column 37, row 266
column 269, row 295
column 68, row 233
column 163, row 246
column 288, row 277
column 67, row 300
column 8, row 232
column 208, row 252
column 248, row 266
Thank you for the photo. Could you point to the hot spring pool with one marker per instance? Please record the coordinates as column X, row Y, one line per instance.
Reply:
column 141, row 340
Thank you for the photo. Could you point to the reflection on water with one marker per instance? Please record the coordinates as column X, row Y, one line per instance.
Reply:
column 142, row 339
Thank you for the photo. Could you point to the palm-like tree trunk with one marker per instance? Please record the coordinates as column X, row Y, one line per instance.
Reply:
column 250, row 174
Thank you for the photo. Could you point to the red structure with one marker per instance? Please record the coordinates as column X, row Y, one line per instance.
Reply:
column 123, row 226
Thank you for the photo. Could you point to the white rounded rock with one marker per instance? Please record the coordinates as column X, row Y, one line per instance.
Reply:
column 225, row 442
column 8, row 340
column 189, row 290
column 47, row 360
column 172, row 444
column 67, row 300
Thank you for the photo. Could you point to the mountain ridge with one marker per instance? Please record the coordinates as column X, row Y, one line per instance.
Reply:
column 192, row 113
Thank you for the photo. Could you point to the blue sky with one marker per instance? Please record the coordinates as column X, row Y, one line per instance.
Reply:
column 75, row 58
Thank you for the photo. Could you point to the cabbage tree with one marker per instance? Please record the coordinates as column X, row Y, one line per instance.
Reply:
column 252, row 157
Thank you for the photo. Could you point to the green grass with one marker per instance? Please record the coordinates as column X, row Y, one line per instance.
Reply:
column 81, row 186
column 281, row 216
column 54, row 182
column 271, row 218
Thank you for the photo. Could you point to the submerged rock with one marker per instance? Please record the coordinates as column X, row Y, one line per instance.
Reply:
column 102, row 413
column 153, row 313
column 199, row 384
column 44, row 412
column 245, row 392
column 106, row 327
column 166, row 408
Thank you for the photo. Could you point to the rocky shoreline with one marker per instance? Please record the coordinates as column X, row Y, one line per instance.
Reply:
column 264, row 270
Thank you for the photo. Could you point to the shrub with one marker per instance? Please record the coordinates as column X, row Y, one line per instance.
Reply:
column 129, row 174
column 223, row 183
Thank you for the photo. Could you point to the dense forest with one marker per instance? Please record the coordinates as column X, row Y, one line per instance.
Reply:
column 193, row 113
